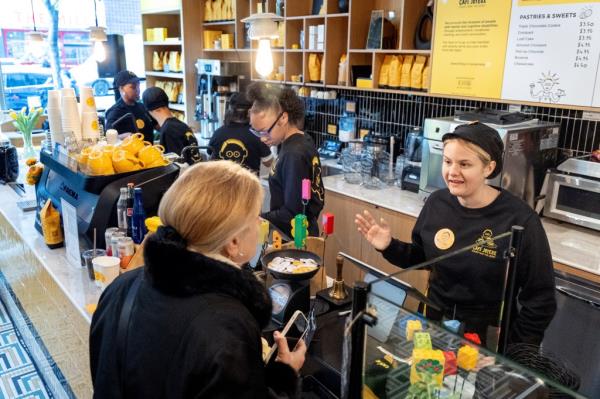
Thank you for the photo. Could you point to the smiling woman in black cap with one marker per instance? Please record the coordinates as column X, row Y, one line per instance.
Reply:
column 138, row 120
column 468, row 287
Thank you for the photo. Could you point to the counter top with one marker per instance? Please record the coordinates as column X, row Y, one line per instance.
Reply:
column 73, row 280
column 570, row 245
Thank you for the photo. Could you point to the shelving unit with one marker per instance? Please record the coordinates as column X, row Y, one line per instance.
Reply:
column 180, row 17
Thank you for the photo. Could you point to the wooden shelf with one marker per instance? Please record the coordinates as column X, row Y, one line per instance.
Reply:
column 164, row 43
column 339, row 15
column 177, row 107
column 227, row 50
column 172, row 75
column 294, row 50
column 216, row 23
column 294, row 83
column 269, row 81
column 390, row 51
column 313, row 51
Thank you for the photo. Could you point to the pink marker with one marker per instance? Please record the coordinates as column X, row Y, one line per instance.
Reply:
column 306, row 189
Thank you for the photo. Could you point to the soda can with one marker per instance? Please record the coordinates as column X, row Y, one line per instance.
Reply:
column 107, row 236
column 126, row 251
column 114, row 243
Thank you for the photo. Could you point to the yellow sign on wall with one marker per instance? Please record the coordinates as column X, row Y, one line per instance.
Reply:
column 469, row 47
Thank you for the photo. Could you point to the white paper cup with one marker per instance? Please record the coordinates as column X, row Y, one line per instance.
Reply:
column 89, row 125
column 86, row 99
column 68, row 92
column 53, row 99
column 106, row 270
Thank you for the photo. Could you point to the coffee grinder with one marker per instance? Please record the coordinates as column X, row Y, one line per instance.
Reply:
column 217, row 81
column 411, row 173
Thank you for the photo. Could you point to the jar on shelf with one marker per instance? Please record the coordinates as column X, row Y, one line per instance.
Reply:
column 351, row 163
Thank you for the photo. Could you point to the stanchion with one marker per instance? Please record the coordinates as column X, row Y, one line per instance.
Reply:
column 359, row 307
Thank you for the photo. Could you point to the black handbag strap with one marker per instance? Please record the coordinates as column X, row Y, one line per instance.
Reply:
column 123, row 328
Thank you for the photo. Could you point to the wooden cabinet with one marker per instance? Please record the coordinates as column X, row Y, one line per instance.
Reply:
column 180, row 18
column 347, row 239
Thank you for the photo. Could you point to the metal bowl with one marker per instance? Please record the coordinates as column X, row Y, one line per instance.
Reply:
column 291, row 253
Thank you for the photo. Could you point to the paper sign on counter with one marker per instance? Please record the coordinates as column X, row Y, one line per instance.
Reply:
column 69, row 215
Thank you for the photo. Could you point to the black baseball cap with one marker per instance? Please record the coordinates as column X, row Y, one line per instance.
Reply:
column 239, row 101
column 484, row 137
column 125, row 77
column 155, row 97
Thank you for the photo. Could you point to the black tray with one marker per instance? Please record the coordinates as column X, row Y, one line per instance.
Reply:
column 291, row 253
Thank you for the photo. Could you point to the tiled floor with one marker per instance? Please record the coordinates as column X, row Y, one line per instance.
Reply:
column 19, row 377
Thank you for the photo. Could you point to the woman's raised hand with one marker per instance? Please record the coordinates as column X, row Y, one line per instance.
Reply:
column 379, row 235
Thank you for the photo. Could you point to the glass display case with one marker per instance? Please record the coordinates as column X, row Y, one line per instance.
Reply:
column 407, row 356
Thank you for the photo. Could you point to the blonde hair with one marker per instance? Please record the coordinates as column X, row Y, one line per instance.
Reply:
column 210, row 203
column 481, row 154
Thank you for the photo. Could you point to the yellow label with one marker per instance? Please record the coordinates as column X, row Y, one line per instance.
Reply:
column 99, row 277
column 470, row 47
column 95, row 125
column 363, row 133
column 90, row 102
column 140, row 123
column 331, row 129
column 444, row 239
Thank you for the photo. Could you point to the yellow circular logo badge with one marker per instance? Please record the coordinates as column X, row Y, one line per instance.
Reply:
column 444, row 239
column 90, row 102
column 95, row 125
column 140, row 123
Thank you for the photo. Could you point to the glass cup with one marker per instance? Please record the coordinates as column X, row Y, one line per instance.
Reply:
column 88, row 256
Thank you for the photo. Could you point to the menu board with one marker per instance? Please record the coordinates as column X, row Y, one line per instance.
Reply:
column 470, row 44
column 553, row 51
column 543, row 51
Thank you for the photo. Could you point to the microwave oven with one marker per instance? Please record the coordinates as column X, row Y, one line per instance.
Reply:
column 573, row 193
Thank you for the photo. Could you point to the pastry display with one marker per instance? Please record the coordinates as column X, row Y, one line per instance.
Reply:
column 427, row 362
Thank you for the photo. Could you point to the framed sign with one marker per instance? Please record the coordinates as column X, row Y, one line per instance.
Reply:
column 374, row 37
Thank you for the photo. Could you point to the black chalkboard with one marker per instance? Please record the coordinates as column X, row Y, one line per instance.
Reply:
column 375, row 30
column 316, row 8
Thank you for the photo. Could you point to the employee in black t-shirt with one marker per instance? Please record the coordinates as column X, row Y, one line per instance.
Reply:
column 174, row 134
column 128, row 115
column 234, row 141
column 277, row 116
column 469, row 286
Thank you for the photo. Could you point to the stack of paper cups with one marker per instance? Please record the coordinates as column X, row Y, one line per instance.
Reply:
column 54, row 117
column 86, row 98
column 70, row 116
column 68, row 92
column 89, row 125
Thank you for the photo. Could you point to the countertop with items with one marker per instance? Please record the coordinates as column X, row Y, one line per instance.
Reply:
column 73, row 280
column 570, row 245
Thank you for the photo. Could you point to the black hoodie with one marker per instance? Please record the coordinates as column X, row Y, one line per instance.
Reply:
column 194, row 331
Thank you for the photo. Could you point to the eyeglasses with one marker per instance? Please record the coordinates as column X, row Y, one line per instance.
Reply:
column 266, row 133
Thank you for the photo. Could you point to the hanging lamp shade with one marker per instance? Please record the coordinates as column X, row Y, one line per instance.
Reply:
column 263, row 26
column 97, row 33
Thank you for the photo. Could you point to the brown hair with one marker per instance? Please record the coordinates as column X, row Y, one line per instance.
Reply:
column 280, row 99
column 210, row 203
column 481, row 154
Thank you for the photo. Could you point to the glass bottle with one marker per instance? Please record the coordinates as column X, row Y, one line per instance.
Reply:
column 122, row 210
column 138, row 227
column 129, row 208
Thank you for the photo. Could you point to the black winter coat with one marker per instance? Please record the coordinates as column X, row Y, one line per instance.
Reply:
column 194, row 331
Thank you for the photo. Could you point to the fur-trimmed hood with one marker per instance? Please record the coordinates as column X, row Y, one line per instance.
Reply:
column 174, row 270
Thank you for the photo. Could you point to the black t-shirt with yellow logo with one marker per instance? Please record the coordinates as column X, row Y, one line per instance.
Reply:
column 236, row 143
column 473, row 281
column 176, row 135
column 298, row 159
column 143, row 121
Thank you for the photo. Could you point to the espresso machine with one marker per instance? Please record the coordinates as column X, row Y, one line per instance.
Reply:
column 217, row 81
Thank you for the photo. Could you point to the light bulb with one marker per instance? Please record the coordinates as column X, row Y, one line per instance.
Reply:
column 264, row 58
column 99, row 51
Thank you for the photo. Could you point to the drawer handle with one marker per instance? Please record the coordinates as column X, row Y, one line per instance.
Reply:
column 571, row 294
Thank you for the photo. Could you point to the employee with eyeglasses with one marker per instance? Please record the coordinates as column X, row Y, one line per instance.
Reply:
column 277, row 117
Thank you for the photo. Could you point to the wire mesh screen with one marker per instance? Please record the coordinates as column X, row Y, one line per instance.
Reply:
column 396, row 114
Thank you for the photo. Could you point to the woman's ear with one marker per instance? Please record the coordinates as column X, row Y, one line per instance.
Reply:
column 489, row 169
column 283, row 120
column 232, row 248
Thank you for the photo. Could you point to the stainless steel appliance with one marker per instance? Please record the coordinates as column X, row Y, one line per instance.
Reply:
column 573, row 193
column 530, row 148
column 573, row 334
column 217, row 80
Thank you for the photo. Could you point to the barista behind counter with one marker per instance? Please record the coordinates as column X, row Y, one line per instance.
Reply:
column 277, row 115
column 128, row 86
column 174, row 134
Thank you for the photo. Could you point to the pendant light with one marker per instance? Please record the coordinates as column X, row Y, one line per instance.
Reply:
column 98, row 37
column 34, row 36
column 263, row 27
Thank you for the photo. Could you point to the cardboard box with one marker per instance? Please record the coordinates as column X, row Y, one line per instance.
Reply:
column 159, row 34
column 209, row 38
column 364, row 83
column 227, row 41
column 150, row 34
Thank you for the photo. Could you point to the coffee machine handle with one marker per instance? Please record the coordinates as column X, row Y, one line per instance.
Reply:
column 437, row 146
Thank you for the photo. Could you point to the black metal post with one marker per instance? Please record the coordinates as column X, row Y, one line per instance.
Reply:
column 357, row 358
column 512, row 260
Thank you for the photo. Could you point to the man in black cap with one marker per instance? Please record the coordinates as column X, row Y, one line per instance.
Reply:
column 174, row 134
column 128, row 115
column 234, row 141
column 469, row 286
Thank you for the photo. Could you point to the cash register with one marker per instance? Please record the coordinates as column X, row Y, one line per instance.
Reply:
column 95, row 197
